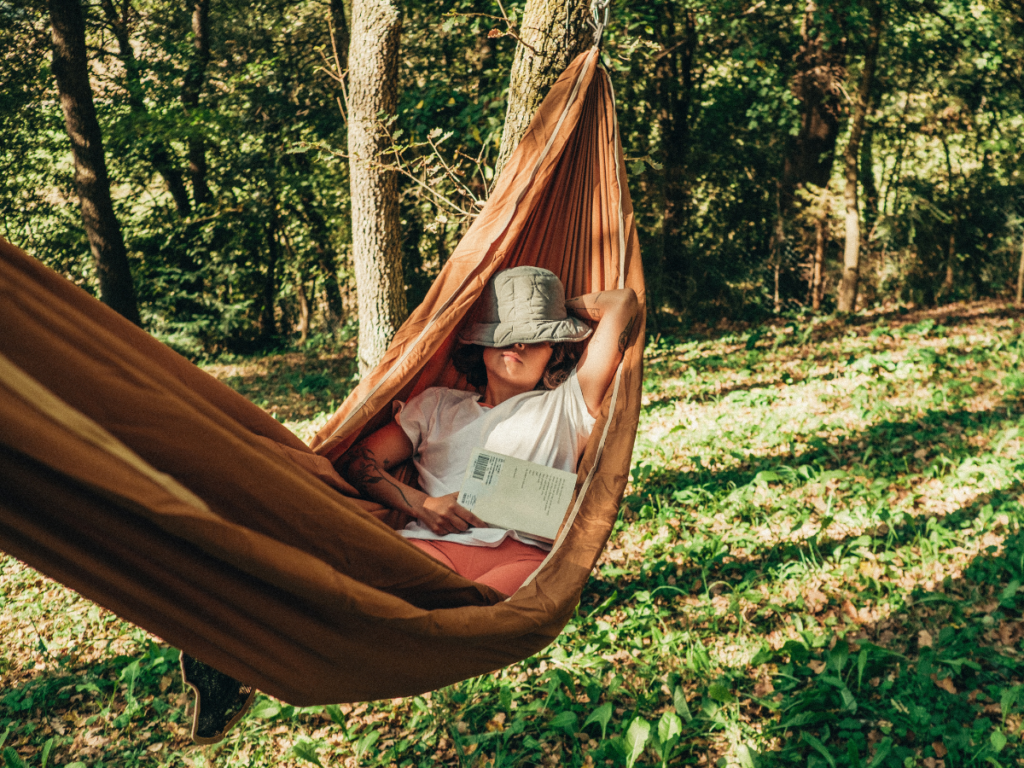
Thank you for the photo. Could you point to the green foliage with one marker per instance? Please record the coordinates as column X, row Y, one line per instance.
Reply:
column 708, row 113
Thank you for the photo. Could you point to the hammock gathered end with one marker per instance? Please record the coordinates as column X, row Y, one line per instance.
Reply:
column 153, row 489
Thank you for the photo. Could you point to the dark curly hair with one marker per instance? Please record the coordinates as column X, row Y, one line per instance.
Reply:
column 468, row 359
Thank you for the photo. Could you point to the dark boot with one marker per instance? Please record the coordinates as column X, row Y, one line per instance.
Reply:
column 220, row 700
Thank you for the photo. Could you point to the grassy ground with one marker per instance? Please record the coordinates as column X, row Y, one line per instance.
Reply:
column 819, row 563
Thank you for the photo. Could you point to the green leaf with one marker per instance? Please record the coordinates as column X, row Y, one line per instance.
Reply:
column 998, row 740
column 636, row 739
column 836, row 658
column 1009, row 592
column 306, row 750
column 334, row 712
column 819, row 747
column 884, row 748
column 565, row 720
column 670, row 728
column 1008, row 698
column 682, row 708
column 265, row 709
column 802, row 718
column 505, row 697
column 47, row 749
column 764, row 654
column 601, row 716
column 13, row 760
column 745, row 757
column 365, row 743
column 720, row 693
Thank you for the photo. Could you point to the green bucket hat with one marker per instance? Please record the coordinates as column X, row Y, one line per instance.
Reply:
column 523, row 305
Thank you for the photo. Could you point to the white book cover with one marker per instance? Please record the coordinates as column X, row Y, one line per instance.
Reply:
column 512, row 493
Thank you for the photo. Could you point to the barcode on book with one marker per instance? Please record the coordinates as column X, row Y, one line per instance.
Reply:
column 480, row 466
column 485, row 468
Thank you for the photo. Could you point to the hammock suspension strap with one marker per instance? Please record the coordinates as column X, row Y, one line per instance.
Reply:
column 598, row 19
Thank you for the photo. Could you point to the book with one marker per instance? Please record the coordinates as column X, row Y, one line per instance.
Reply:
column 512, row 493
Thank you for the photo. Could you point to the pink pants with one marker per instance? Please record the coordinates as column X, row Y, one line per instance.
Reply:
column 504, row 567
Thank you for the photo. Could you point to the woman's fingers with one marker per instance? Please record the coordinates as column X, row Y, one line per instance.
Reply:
column 461, row 514
column 448, row 516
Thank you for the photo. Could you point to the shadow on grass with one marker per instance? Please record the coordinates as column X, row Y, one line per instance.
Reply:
column 938, row 676
column 951, row 315
column 939, row 680
column 893, row 445
column 293, row 386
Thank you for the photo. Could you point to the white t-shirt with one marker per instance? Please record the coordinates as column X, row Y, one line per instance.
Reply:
column 548, row 427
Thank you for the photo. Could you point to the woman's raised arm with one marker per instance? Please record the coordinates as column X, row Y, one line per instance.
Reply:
column 616, row 313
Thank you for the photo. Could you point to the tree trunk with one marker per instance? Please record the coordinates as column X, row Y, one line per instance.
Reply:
column 158, row 153
column 817, row 86
column 675, row 85
column 851, row 252
column 376, row 252
column 1020, row 277
column 810, row 155
column 818, row 266
column 195, row 78
column 552, row 34
column 300, row 294
column 268, row 322
column 867, row 178
column 777, row 247
column 340, row 41
column 71, row 70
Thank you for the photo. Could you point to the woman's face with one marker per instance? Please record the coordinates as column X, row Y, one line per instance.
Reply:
column 520, row 365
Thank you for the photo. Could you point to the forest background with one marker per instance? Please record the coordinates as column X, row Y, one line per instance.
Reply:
column 753, row 130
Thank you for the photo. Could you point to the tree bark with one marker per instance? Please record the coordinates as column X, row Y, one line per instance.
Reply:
column 851, row 251
column 376, row 252
column 1020, row 277
column 195, row 78
column 304, row 312
column 71, row 70
column 268, row 322
column 552, row 34
column 818, row 266
column 867, row 178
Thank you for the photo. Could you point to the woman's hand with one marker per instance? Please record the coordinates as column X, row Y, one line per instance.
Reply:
column 443, row 514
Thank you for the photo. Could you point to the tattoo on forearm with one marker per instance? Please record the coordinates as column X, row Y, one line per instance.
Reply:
column 626, row 333
column 363, row 471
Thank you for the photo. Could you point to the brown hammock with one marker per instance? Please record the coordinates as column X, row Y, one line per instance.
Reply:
column 142, row 482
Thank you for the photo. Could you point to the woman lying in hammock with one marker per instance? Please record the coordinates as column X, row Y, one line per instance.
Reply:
column 540, row 396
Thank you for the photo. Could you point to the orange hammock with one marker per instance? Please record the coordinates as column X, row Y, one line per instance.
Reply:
column 154, row 490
